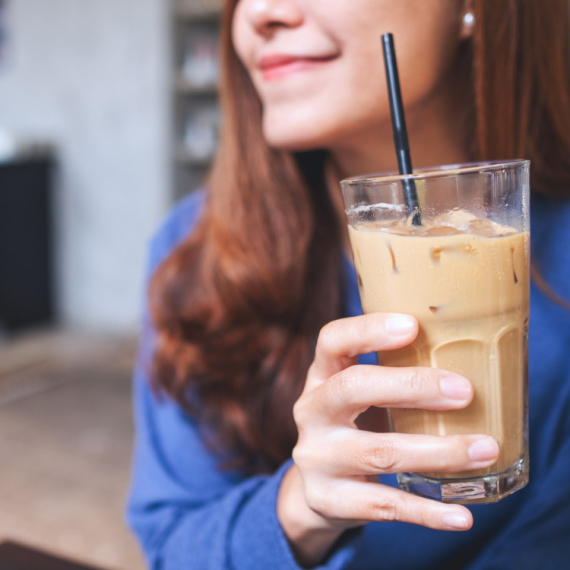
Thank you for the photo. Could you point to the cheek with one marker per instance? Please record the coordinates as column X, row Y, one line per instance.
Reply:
column 337, row 104
column 426, row 36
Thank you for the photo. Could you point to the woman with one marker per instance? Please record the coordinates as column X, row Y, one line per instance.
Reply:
column 255, row 327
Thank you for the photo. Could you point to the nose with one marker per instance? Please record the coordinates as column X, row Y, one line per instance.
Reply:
column 267, row 15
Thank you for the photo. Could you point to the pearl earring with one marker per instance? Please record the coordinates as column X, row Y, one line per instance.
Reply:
column 469, row 19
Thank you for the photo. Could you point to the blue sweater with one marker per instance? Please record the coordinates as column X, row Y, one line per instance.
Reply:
column 188, row 515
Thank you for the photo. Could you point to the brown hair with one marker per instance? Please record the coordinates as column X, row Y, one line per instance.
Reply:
column 521, row 85
column 239, row 304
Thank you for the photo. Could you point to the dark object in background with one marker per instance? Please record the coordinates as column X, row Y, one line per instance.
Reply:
column 16, row 557
column 26, row 280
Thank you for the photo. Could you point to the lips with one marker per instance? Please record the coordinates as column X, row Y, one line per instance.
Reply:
column 279, row 65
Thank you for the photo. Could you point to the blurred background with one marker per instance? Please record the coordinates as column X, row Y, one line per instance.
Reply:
column 108, row 115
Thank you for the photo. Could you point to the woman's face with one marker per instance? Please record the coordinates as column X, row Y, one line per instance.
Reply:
column 317, row 64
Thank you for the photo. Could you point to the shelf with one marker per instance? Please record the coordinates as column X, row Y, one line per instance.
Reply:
column 193, row 14
column 182, row 87
column 192, row 20
column 186, row 159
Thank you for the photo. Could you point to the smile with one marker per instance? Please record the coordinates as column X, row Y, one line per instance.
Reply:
column 278, row 66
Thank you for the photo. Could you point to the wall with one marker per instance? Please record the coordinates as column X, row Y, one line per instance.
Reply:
column 92, row 76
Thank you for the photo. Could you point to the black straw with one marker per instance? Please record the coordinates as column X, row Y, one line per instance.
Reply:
column 399, row 128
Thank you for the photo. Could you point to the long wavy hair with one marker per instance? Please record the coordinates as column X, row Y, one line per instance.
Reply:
column 238, row 305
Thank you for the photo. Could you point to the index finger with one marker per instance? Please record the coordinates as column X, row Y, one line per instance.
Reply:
column 340, row 342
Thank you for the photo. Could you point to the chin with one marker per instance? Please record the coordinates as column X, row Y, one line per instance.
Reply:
column 294, row 139
column 294, row 135
column 292, row 143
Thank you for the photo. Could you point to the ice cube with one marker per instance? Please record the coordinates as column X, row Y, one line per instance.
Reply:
column 455, row 218
column 441, row 231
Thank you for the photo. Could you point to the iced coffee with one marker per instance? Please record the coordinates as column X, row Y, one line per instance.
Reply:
column 465, row 276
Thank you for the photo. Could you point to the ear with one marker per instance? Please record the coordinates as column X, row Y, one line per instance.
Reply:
column 467, row 20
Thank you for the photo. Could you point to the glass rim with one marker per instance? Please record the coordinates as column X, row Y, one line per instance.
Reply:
column 436, row 171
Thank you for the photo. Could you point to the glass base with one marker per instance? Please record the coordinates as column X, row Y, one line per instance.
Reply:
column 483, row 489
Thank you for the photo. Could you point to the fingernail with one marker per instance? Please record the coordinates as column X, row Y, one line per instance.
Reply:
column 483, row 449
column 456, row 521
column 455, row 387
column 399, row 324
